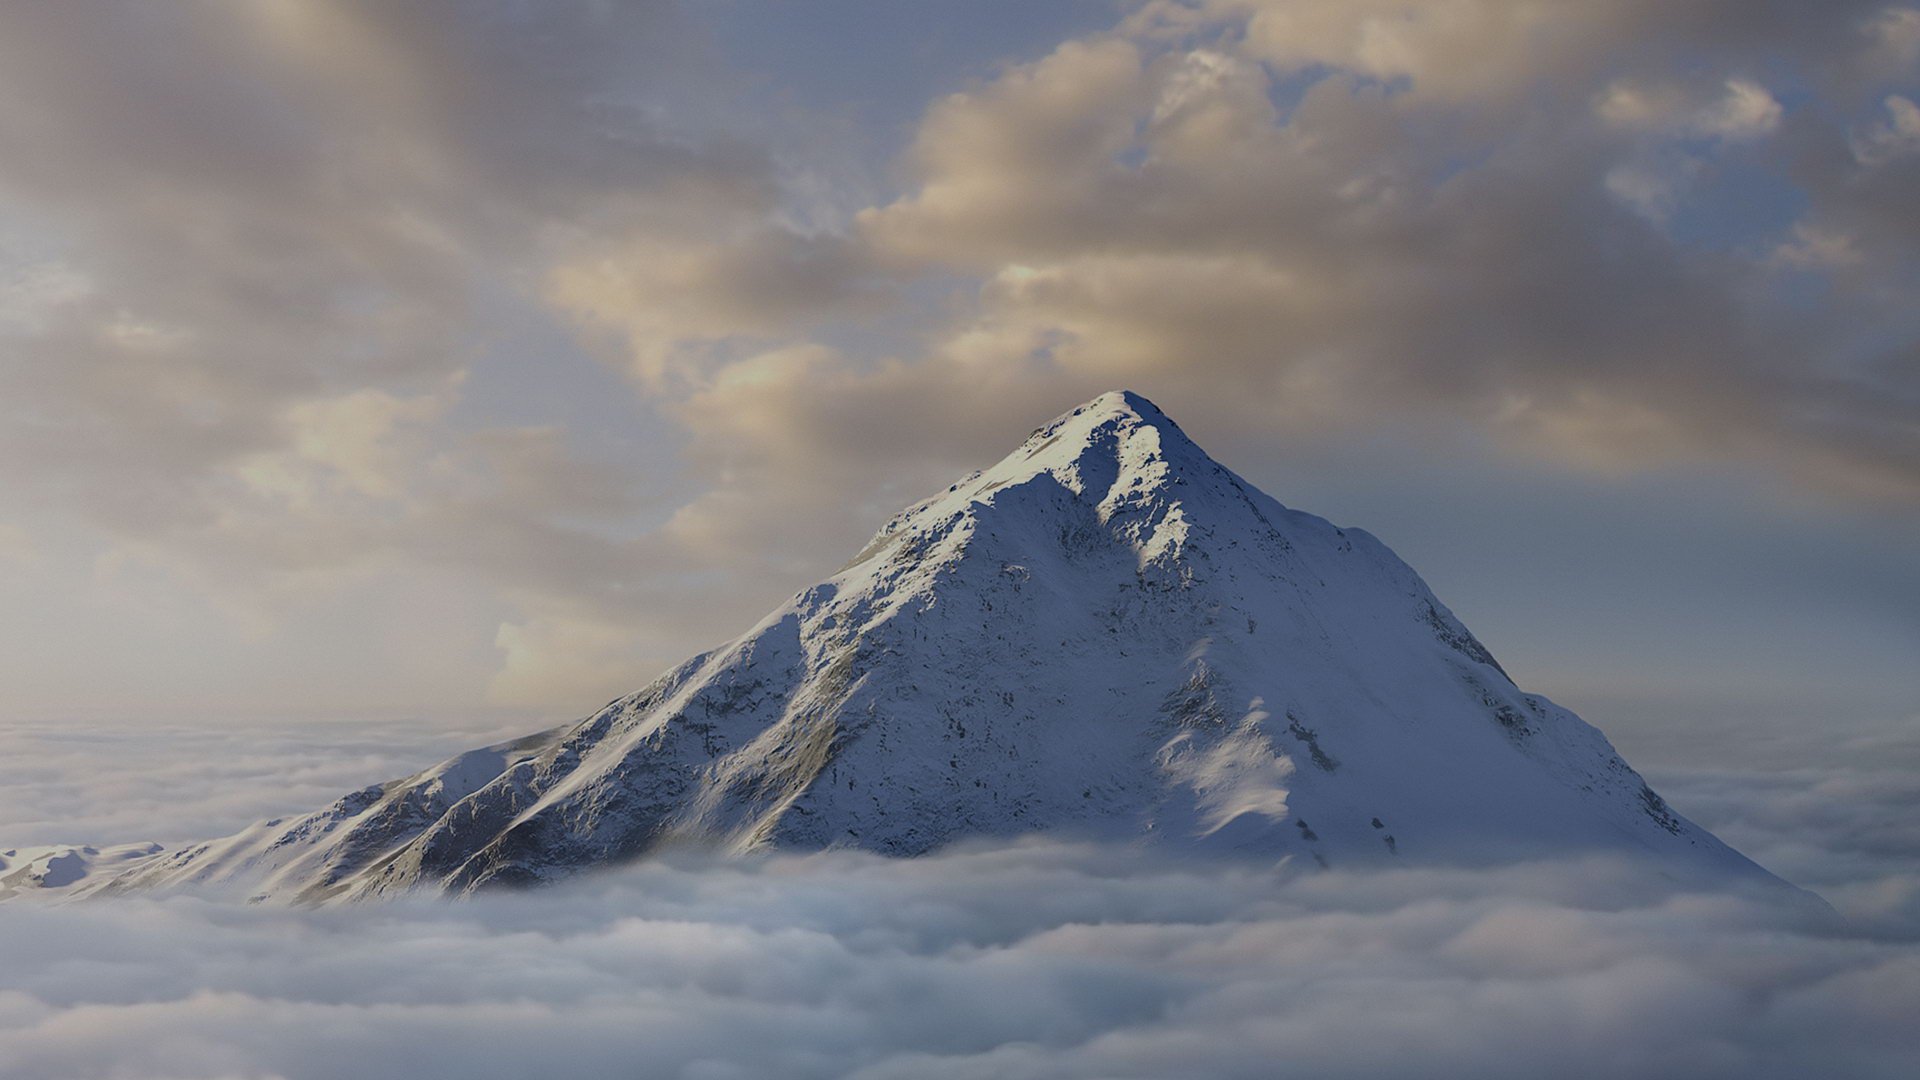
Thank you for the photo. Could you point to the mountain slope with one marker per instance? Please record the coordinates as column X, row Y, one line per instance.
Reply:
column 51, row 868
column 1106, row 633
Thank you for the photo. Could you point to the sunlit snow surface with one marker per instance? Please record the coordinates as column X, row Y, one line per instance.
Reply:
column 1105, row 635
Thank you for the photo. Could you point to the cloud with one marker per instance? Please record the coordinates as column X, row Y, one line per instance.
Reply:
column 1812, row 247
column 1895, row 36
column 251, row 258
column 1038, row 960
column 1745, row 111
column 675, row 302
column 1302, row 222
column 1845, row 831
column 553, row 656
column 1455, row 50
column 1034, row 959
column 1895, row 137
column 251, row 242
column 81, row 783
column 303, row 302
column 1160, row 213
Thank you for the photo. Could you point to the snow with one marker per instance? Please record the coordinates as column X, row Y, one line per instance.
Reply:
column 1106, row 634
column 56, row 867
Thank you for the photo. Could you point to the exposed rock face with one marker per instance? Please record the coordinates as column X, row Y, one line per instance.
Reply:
column 1106, row 633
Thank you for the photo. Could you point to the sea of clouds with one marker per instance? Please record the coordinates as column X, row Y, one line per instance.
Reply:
column 1038, row 959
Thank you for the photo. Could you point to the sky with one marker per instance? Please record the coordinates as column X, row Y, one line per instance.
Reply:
column 459, row 361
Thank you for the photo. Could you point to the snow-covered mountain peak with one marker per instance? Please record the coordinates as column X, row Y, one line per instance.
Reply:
column 1106, row 633
column 1115, row 444
column 1122, row 461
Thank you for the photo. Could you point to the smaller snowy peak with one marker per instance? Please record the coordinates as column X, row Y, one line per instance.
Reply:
column 57, row 868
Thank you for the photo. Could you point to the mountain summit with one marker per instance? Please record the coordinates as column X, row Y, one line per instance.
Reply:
column 1106, row 634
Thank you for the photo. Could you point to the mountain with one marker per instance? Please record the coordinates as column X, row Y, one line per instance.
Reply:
column 57, row 867
column 1106, row 634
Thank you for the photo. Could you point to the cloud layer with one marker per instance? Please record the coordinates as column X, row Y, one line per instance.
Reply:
column 1034, row 961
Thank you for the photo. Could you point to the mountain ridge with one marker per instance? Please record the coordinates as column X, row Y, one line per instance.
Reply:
column 1107, row 633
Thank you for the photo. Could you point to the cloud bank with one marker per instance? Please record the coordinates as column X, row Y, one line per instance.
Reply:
column 1040, row 959
column 1034, row 961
